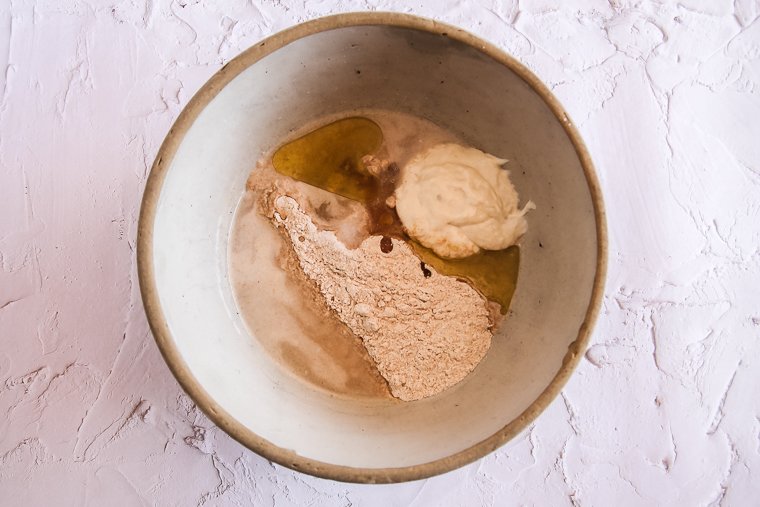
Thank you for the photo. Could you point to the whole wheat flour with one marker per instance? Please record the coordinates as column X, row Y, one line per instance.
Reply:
column 425, row 331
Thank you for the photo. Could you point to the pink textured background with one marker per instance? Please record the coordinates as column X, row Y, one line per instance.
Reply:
column 664, row 410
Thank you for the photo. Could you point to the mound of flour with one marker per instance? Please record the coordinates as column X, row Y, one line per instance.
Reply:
column 425, row 331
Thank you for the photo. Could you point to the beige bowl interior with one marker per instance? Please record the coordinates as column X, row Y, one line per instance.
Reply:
column 200, row 175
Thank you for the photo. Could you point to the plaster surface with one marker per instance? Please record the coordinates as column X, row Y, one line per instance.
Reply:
column 663, row 410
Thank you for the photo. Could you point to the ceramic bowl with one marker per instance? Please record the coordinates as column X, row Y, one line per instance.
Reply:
column 328, row 66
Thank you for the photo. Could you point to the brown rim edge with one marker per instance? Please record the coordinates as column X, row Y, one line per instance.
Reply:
column 160, row 329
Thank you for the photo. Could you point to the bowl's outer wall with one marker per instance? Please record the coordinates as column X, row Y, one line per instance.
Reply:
column 394, row 62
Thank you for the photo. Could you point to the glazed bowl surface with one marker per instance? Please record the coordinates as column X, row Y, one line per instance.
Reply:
column 325, row 67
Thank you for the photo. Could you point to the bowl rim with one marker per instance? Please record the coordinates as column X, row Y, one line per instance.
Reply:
column 157, row 320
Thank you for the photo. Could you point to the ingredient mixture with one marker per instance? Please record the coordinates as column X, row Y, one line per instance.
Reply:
column 403, row 235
